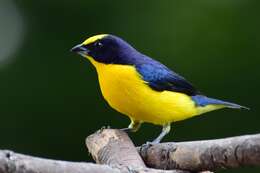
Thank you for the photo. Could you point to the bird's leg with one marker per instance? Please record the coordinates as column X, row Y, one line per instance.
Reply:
column 133, row 126
column 165, row 130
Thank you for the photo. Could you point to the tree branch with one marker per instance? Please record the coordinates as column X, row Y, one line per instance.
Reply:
column 114, row 147
column 215, row 154
column 116, row 152
column 111, row 146
column 11, row 162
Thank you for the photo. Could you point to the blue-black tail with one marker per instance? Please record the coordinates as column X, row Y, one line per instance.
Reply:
column 202, row 101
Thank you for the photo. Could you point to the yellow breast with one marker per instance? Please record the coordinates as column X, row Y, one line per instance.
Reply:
column 125, row 91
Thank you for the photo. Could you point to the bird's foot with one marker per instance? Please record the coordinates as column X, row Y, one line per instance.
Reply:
column 105, row 127
column 151, row 143
column 147, row 145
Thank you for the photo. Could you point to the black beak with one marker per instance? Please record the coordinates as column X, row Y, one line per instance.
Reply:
column 79, row 49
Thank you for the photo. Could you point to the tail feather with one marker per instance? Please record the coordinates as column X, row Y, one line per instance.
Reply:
column 202, row 101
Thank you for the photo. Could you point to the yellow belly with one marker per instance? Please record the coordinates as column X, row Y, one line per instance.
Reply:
column 124, row 90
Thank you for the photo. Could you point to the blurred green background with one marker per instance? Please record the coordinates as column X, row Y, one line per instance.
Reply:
column 50, row 97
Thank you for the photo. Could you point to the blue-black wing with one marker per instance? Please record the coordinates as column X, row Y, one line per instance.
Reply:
column 160, row 78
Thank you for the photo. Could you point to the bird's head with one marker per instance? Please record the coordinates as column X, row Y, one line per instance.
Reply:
column 105, row 48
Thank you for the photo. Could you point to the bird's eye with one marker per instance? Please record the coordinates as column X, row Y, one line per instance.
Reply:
column 98, row 44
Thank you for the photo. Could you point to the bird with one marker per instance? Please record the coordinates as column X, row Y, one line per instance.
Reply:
column 142, row 88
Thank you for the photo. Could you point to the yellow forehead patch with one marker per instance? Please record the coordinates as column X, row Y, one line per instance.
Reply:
column 93, row 39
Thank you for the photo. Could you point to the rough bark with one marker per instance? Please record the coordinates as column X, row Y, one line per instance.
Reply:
column 114, row 147
column 215, row 154
column 11, row 162
column 116, row 152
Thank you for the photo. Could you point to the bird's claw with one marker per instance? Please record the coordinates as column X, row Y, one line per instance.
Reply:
column 147, row 145
column 105, row 127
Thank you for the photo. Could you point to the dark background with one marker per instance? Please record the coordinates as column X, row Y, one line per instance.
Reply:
column 50, row 98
